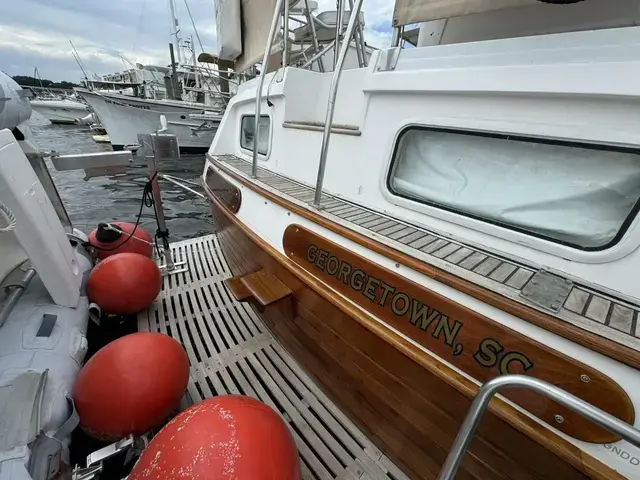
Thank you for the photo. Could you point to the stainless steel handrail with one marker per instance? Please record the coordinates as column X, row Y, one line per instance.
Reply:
column 489, row 389
column 317, row 56
column 285, row 34
column 333, row 91
column 263, row 72
column 339, row 27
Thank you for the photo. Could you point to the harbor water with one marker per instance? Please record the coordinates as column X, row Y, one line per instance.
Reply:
column 104, row 199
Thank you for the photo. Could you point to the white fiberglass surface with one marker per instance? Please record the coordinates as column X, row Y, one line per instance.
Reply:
column 579, row 195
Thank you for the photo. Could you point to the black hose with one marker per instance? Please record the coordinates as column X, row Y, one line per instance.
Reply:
column 146, row 201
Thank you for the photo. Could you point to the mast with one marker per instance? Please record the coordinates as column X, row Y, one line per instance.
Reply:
column 175, row 30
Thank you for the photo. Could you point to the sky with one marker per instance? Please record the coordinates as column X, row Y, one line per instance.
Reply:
column 36, row 33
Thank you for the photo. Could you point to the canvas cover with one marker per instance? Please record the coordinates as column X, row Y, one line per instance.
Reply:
column 416, row 11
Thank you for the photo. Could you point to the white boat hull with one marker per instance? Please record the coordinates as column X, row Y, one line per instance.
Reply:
column 60, row 111
column 125, row 117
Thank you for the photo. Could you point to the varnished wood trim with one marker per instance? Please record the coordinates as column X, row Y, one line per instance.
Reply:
column 503, row 410
column 587, row 339
column 223, row 190
column 461, row 336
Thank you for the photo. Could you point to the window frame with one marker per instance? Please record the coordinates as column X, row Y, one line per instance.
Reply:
column 262, row 156
column 418, row 204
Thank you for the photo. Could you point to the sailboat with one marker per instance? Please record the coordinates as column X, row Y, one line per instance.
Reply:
column 395, row 245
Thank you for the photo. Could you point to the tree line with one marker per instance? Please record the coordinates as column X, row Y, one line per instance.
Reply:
column 28, row 81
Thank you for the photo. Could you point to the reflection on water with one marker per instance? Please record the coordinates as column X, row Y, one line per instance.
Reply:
column 118, row 198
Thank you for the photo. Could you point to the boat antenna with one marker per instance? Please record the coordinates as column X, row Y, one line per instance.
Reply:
column 76, row 56
column 175, row 29
column 135, row 43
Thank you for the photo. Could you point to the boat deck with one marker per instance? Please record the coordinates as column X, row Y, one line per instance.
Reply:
column 231, row 351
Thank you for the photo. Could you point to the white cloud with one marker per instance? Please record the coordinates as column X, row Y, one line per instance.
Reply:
column 100, row 30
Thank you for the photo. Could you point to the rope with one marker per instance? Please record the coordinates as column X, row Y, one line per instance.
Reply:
column 146, row 201
column 9, row 219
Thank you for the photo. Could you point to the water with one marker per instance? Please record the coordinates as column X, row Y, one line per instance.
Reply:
column 104, row 199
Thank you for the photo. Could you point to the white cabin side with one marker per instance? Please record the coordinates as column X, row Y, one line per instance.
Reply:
column 574, row 87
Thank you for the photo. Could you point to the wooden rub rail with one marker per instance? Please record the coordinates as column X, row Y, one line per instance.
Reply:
column 231, row 352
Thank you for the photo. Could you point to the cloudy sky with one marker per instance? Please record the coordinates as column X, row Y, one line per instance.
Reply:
column 37, row 33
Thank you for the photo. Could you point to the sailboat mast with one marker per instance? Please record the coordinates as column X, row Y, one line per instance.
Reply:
column 175, row 30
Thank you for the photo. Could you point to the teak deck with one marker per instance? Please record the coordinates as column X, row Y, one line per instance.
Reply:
column 232, row 352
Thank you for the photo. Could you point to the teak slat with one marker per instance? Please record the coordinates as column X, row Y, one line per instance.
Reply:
column 265, row 288
column 238, row 288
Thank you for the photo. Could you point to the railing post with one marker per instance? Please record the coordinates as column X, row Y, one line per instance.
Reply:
column 285, row 34
column 263, row 72
column 489, row 389
column 314, row 39
column 339, row 20
column 333, row 91
column 397, row 36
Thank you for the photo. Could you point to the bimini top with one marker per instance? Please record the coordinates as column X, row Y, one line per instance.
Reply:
column 416, row 11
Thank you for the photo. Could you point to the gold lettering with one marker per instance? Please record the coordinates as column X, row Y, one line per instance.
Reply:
column 514, row 357
column 335, row 262
column 424, row 313
column 312, row 252
column 405, row 304
column 487, row 354
column 343, row 274
column 322, row 259
column 370, row 288
column 386, row 290
column 450, row 332
column 357, row 279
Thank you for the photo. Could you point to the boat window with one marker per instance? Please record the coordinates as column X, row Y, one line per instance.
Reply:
column 581, row 195
column 247, row 129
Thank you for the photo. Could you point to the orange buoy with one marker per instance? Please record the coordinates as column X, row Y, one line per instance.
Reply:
column 113, row 238
column 226, row 437
column 125, row 283
column 131, row 385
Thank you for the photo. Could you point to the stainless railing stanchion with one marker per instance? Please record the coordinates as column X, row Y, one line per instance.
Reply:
column 285, row 34
column 333, row 91
column 397, row 36
column 489, row 389
column 263, row 71
column 314, row 37
column 339, row 20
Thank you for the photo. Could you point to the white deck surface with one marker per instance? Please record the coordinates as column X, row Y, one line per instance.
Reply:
column 232, row 352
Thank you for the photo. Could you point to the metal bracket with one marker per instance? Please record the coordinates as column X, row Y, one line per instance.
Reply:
column 94, row 164
column 16, row 278
column 173, row 268
column 99, row 456
column 547, row 290
column 388, row 59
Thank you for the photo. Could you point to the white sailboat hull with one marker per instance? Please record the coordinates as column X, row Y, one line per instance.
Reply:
column 60, row 111
column 125, row 117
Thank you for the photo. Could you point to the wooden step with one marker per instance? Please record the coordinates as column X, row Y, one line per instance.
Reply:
column 260, row 286
column 238, row 289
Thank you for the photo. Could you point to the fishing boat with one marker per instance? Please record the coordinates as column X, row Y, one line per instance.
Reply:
column 123, row 117
column 60, row 110
column 446, row 224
